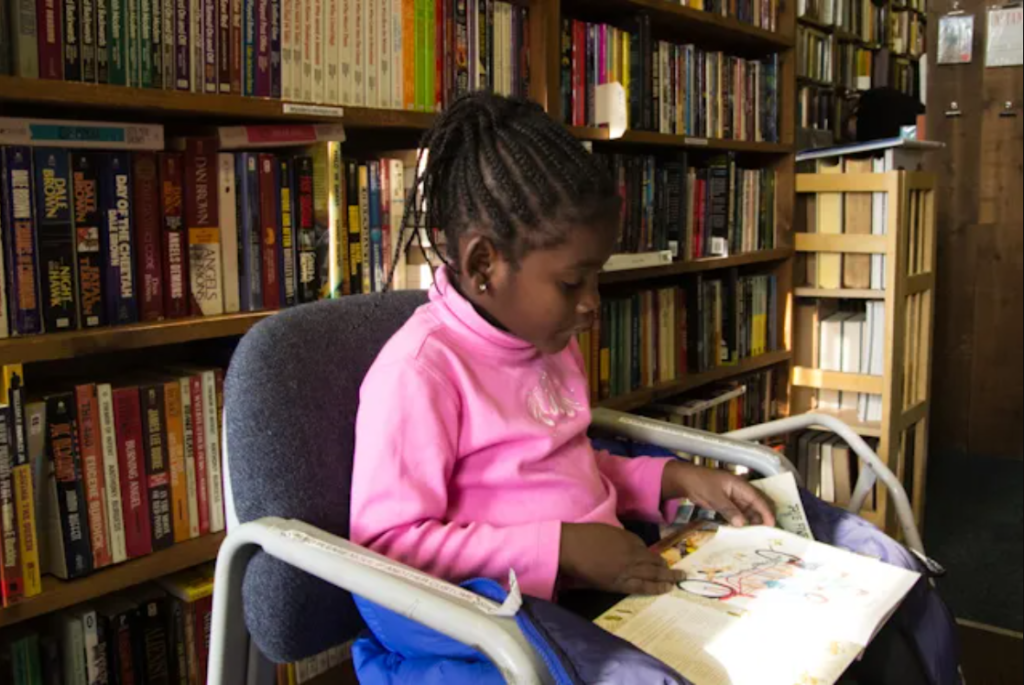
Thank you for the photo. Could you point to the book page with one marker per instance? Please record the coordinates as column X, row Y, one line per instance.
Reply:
column 789, row 510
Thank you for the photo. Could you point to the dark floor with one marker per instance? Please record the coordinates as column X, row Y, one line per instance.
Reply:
column 974, row 527
column 992, row 659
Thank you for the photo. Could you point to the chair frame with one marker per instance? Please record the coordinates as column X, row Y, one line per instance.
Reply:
column 458, row 614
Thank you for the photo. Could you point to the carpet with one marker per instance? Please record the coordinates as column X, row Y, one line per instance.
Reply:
column 974, row 526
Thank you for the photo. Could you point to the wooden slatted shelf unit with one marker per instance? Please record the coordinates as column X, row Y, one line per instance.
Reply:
column 58, row 595
column 909, row 250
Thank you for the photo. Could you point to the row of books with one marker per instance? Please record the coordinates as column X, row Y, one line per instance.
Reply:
column 815, row 55
column 672, row 89
column 312, row 668
column 909, row 33
column 709, row 210
column 862, row 19
column 828, row 467
column 855, row 67
column 763, row 14
column 723, row 407
column 391, row 54
column 658, row 336
column 853, row 343
column 103, row 473
column 157, row 634
column 822, row 109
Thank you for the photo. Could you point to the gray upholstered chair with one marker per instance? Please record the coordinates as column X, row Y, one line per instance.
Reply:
column 285, row 572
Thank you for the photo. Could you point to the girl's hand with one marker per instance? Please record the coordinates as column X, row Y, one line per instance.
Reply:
column 731, row 497
column 611, row 559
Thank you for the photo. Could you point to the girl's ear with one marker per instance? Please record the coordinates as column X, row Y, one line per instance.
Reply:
column 479, row 262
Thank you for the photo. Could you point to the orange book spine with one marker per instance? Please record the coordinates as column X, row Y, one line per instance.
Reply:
column 409, row 54
column 93, row 474
column 175, row 421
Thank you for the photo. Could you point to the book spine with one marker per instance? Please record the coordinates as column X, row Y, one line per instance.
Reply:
column 182, row 44
column 275, row 49
column 287, row 13
column 201, row 215
column 210, row 64
column 175, row 431
column 155, row 642
column 398, row 233
column 145, row 44
column 123, row 667
column 22, row 256
column 134, row 493
column 158, row 479
column 308, row 280
column 249, row 240
column 51, row 40
column 102, row 10
column 168, row 44
column 262, row 88
column 107, row 427
column 67, row 468
column 332, row 253
column 566, row 72
column 249, row 46
column 376, row 238
column 197, row 57
column 24, row 29
column 148, row 239
column 236, row 51
column 286, row 222
column 88, row 41
column 365, row 240
column 179, row 644
column 420, row 46
column 12, row 589
column 133, row 42
column 269, row 192
column 173, row 247
column 223, row 44
column 92, row 470
column 306, row 41
column 385, row 222
column 119, row 44
column 56, row 240
column 199, row 446
column 397, row 19
column 25, row 499
column 332, row 52
column 228, row 205
column 435, row 56
column 211, row 417
column 203, row 609
column 116, row 203
column 385, row 76
column 462, row 85
column 189, row 445
column 345, row 51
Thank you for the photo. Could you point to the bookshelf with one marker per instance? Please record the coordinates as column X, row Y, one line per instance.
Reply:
column 182, row 113
column 904, row 385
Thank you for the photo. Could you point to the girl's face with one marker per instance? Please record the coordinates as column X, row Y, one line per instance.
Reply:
column 550, row 296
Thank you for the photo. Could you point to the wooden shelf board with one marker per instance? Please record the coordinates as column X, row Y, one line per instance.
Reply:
column 842, row 243
column 58, row 595
column 57, row 346
column 815, row 83
column 818, row 379
column 172, row 103
column 817, row 25
column 692, row 24
column 600, row 135
column 696, row 266
column 646, row 396
column 841, row 294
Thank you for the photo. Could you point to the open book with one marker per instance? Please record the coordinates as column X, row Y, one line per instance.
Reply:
column 764, row 606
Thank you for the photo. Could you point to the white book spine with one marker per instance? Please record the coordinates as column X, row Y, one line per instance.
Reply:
column 198, row 57
column 111, row 473
column 397, row 172
column 74, row 652
column 358, row 53
column 371, row 40
column 297, row 9
column 307, row 49
column 95, row 666
column 384, row 77
column 332, row 50
column 319, row 38
column 287, row 47
column 397, row 56
column 229, row 233
column 345, row 49
column 214, row 477
column 191, row 484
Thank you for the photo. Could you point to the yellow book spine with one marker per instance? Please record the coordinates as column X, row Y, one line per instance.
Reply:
column 24, row 502
column 626, row 65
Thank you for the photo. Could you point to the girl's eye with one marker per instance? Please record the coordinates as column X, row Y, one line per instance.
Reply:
column 572, row 286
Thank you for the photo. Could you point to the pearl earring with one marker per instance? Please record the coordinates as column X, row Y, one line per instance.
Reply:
column 483, row 287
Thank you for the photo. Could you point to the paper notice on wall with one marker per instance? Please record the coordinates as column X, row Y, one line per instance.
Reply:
column 1005, row 38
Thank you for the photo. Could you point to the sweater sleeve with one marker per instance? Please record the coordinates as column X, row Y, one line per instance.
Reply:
column 638, row 484
column 407, row 433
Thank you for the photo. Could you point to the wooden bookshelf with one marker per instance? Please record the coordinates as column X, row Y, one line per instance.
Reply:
column 697, row 266
column 841, row 294
column 652, row 139
column 646, row 396
column 59, row 346
column 58, row 595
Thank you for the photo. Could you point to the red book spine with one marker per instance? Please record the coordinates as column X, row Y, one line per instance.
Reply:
column 51, row 39
column 236, row 47
column 149, row 263
column 12, row 585
column 269, row 193
column 201, row 200
column 224, row 46
column 134, row 495
column 93, row 474
column 203, row 609
column 199, row 450
column 175, row 247
column 579, row 81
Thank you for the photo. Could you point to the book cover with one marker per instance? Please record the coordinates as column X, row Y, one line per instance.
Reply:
column 269, row 198
column 224, row 46
column 228, row 205
column 275, row 49
column 56, row 240
column 175, row 424
column 71, row 553
column 174, row 241
column 22, row 258
column 286, row 223
column 116, row 239
column 24, row 38
column 51, row 39
column 237, row 55
column 90, row 444
column 308, row 277
column 131, row 457
column 25, row 499
column 158, row 477
column 87, row 40
column 85, row 169
column 249, row 240
column 12, row 588
column 182, row 44
column 201, row 216
column 191, row 470
column 148, row 236
column 111, row 473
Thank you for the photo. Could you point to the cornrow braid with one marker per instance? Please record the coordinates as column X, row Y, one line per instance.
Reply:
column 502, row 166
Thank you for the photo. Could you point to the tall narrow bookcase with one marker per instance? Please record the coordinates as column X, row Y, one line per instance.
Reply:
column 51, row 358
column 909, row 295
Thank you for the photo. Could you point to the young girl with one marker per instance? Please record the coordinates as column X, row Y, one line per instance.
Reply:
column 472, row 456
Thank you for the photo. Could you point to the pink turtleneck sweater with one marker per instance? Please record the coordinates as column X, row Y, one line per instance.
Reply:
column 471, row 452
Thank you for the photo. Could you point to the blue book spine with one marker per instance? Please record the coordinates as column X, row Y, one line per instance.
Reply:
column 249, row 47
column 20, row 242
column 116, row 203
column 376, row 232
column 250, row 249
column 56, row 239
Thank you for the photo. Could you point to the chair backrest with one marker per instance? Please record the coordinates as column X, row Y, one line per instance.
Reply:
column 291, row 398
